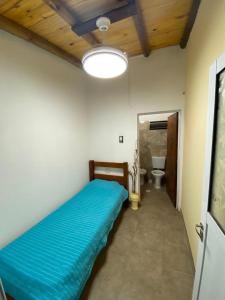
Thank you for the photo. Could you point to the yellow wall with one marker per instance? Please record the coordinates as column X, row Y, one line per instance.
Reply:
column 206, row 43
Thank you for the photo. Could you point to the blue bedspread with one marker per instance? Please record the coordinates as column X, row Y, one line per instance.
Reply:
column 54, row 259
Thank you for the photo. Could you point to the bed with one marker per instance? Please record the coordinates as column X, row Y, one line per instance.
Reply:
column 54, row 258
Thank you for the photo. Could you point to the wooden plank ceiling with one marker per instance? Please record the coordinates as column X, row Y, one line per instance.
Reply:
column 163, row 22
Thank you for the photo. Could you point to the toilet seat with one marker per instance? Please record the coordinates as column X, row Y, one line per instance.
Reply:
column 143, row 171
column 158, row 173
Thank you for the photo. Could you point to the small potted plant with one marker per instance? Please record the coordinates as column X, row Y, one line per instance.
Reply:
column 133, row 172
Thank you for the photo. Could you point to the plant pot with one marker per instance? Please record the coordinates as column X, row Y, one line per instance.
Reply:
column 134, row 199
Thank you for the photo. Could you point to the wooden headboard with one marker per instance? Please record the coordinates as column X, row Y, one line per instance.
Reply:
column 123, row 179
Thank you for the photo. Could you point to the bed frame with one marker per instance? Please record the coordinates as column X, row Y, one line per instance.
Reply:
column 123, row 180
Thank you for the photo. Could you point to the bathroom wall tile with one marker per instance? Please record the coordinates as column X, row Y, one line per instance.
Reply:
column 152, row 143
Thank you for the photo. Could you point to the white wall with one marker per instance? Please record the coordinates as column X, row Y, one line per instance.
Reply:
column 43, row 134
column 152, row 84
column 154, row 117
column 53, row 118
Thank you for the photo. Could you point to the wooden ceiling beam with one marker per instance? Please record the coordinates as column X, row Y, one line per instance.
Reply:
column 116, row 14
column 190, row 23
column 25, row 34
column 71, row 17
column 141, row 30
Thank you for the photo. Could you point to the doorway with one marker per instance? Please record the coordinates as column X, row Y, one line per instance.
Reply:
column 159, row 160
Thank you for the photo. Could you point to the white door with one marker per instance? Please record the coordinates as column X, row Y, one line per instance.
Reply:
column 210, row 270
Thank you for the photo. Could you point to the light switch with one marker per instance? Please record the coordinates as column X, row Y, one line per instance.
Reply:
column 120, row 139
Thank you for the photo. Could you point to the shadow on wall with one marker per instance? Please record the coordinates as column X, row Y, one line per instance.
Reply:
column 151, row 143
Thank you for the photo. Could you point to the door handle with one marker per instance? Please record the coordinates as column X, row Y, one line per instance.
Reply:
column 199, row 228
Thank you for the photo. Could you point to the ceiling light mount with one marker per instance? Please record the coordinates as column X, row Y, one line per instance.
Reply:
column 103, row 23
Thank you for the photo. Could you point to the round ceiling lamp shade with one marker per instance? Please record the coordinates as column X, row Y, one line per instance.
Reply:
column 105, row 62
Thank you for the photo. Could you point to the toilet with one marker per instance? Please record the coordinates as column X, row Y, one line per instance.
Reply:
column 158, row 164
column 143, row 172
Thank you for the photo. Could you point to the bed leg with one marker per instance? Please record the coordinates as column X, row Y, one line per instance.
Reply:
column 126, row 203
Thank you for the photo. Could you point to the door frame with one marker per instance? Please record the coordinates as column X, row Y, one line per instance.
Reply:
column 215, row 69
column 179, row 149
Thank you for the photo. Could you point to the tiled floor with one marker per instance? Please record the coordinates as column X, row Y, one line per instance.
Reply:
column 148, row 256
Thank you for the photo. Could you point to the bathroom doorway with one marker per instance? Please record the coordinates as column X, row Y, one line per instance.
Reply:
column 158, row 140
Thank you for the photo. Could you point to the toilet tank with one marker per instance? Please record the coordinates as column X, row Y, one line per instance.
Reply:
column 158, row 162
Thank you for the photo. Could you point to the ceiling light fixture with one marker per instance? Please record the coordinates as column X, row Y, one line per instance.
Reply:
column 104, row 61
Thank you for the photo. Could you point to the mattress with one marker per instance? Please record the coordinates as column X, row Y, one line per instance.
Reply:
column 54, row 259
